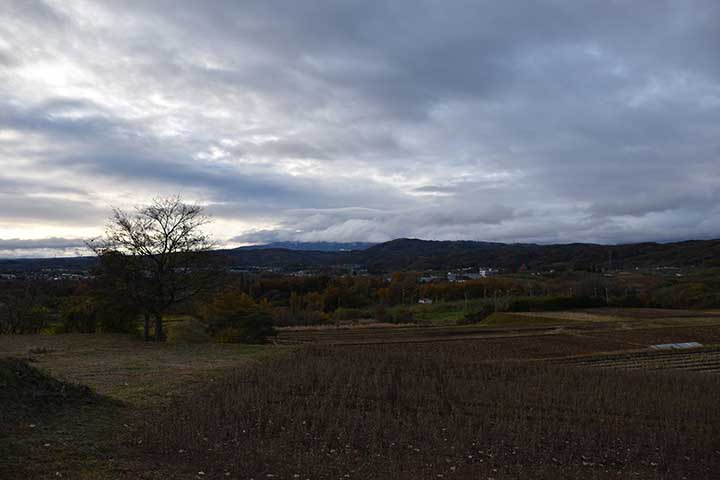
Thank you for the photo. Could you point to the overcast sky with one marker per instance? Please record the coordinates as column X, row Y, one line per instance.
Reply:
column 545, row 121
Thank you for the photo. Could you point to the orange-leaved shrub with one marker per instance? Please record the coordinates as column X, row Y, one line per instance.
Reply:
column 236, row 317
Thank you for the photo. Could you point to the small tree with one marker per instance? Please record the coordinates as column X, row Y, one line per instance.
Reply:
column 236, row 317
column 156, row 255
column 78, row 315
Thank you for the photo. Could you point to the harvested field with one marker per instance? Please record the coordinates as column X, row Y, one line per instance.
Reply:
column 492, row 349
column 582, row 398
column 409, row 412
column 557, row 344
column 360, row 336
column 695, row 360
column 646, row 337
column 588, row 334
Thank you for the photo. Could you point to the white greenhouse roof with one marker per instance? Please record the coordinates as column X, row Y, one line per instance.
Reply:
column 676, row 346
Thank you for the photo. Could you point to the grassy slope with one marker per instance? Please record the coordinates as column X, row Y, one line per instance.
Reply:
column 450, row 313
column 507, row 319
column 26, row 391
column 446, row 313
column 93, row 441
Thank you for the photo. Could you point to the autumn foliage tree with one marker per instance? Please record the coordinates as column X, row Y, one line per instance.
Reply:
column 235, row 317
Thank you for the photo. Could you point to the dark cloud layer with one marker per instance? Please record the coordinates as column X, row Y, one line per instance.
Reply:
column 551, row 121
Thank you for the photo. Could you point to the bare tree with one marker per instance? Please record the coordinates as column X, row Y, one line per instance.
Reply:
column 157, row 256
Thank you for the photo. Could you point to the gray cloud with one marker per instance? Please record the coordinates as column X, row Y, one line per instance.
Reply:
column 46, row 247
column 45, row 243
column 550, row 121
column 51, row 210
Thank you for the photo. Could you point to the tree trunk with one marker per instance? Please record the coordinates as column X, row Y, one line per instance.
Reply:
column 146, row 329
column 159, row 334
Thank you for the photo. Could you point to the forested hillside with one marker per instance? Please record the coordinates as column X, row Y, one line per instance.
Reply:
column 414, row 254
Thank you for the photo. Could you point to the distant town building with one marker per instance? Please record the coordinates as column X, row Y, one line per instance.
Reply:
column 469, row 274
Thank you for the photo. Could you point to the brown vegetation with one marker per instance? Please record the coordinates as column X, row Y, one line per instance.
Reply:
column 462, row 402
column 388, row 412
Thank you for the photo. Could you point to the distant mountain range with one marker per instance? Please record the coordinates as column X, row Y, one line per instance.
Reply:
column 413, row 254
column 312, row 246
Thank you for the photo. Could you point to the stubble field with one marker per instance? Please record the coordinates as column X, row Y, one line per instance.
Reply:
column 580, row 398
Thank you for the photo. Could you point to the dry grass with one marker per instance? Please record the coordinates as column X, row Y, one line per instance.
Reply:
column 624, row 317
column 344, row 326
column 405, row 334
column 569, row 317
column 525, row 319
column 652, row 313
column 137, row 379
column 125, row 368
